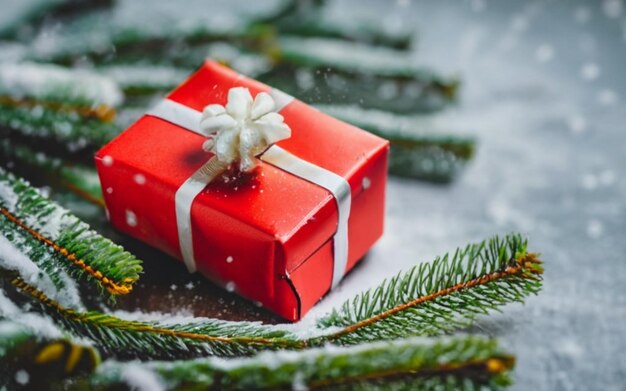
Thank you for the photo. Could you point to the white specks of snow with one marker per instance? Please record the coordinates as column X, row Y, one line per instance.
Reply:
column 109, row 190
column 298, row 383
column 140, row 378
column 607, row 177
column 607, row 97
column 139, row 179
column 571, row 348
column 478, row 5
column 229, row 259
column 131, row 218
column 577, row 124
column 592, row 181
column 258, row 303
column 582, row 14
column 230, row 286
column 22, row 377
column 107, row 161
column 173, row 287
column 8, row 195
column 403, row 3
column 544, row 53
column 613, row 8
column 519, row 23
column 366, row 183
column 590, row 71
column 11, row 258
column 595, row 229
column 189, row 286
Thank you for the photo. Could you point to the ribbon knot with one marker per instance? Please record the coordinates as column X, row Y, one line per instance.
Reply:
column 243, row 129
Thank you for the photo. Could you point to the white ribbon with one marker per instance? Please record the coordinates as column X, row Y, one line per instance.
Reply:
column 190, row 119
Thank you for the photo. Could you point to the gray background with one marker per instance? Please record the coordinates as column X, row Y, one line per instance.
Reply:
column 544, row 91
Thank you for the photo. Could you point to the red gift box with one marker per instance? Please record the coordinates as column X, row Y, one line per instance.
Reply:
column 273, row 236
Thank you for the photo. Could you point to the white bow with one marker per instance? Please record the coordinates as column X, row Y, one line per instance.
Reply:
column 244, row 129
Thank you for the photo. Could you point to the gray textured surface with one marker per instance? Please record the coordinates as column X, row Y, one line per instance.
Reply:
column 551, row 164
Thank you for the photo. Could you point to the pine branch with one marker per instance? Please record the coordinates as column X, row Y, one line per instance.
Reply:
column 313, row 19
column 419, row 149
column 58, row 133
column 36, row 226
column 59, row 89
column 399, row 85
column 41, row 359
column 431, row 299
column 80, row 180
column 466, row 363
column 126, row 339
column 442, row 296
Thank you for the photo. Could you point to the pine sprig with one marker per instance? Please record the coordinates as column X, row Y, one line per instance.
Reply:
column 24, row 212
column 49, row 358
column 80, row 179
column 442, row 296
column 468, row 363
column 420, row 147
column 55, row 131
column 127, row 339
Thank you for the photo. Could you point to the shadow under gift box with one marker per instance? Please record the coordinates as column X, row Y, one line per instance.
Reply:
column 267, row 235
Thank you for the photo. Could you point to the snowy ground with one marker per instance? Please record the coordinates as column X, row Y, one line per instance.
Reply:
column 544, row 90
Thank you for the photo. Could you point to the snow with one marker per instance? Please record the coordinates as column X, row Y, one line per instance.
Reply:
column 590, row 71
column 139, row 179
column 140, row 378
column 22, row 377
column 13, row 259
column 131, row 218
column 107, row 160
column 45, row 81
column 41, row 325
column 7, row 195
column 229, row 259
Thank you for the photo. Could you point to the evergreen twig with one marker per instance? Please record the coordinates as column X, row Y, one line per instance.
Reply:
column 43, row 359
column 419, row 147
column 467, row 363
column 36, row 226
column 441, row 296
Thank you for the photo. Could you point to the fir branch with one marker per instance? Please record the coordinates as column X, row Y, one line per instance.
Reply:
column 430, row 299
column 377, row 78
column 419, row 147
column 125, row 339
column 43, row 358
column 24, row 212
column 59, row 89
column 468, row 363
column 60, row 133
column 442, row 296
column 80, row 180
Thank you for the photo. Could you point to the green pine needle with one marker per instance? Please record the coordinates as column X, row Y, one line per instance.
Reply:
column 126, row 339
column 467, row 363
column 441, row 296
column 62, row 133
column 79, row 179
column 54, row 238
column 419, row 147
column 44, row 358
